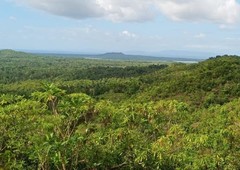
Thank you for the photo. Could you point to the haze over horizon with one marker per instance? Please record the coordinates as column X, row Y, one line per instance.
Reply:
column 137, row 27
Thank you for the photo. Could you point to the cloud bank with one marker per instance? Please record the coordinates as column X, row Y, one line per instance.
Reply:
column 216, row 11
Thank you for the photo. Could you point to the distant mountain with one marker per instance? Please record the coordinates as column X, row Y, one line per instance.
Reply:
column 122, row 56
column 113, row 54
column 165, row 56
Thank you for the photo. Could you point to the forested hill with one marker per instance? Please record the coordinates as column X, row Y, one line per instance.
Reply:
column 213, row 81
column 72, row 113
column 11, row 53
column 19, row 66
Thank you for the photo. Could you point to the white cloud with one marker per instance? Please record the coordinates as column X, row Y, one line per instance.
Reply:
column 128, row 34
column 125, row 10
column 217, row 11
column 78, row 9
column 117, row 10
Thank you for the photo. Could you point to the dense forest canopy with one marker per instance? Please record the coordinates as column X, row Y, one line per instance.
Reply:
column 74, row 113
column 19, row 66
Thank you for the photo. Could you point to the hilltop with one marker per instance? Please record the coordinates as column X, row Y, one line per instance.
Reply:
column 12, row 53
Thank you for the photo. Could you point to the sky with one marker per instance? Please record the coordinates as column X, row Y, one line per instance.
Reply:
column 129, row 26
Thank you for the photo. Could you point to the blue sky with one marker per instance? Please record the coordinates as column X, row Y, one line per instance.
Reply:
column 136, row 26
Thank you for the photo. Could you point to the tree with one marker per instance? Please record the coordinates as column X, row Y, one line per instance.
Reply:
column 50, row 95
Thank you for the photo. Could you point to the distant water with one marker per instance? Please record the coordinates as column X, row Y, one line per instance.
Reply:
column 187, row 62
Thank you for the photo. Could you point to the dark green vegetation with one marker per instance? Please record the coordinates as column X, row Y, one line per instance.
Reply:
column 19, row 66
column 70, row 113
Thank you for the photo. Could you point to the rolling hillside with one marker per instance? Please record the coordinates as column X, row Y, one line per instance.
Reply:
column 118, row 114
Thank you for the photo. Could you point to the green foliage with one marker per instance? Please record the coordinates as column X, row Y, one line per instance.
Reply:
column 211, row 82
column 180, row 117
column 19, row 66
